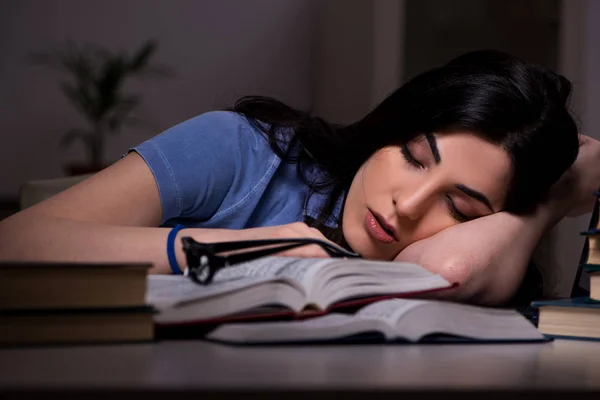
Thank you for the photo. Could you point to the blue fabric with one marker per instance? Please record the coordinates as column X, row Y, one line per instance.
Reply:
column 217, row 170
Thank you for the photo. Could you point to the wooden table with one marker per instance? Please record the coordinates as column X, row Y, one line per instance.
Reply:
column 201, row 370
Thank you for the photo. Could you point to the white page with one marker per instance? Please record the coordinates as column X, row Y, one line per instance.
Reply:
column 298, row 269
column 332, row 326
column 465, row 320
column 416, row 318
column 388, row 310
column 167, row 290
column 347, row 279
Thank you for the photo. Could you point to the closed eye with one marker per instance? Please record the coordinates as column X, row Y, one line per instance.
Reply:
column 455, row 212
column 409, row 158
column 452, row 208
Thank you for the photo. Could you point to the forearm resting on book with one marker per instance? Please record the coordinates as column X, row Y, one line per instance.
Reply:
column 487, row 256
column 38, row 237
column 32, row 235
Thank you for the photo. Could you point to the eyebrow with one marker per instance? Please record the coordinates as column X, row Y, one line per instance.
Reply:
column 431, row 140
column 433, row 146
column 476, row 195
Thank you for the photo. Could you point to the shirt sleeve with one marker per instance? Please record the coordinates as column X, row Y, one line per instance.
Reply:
column 197, row 162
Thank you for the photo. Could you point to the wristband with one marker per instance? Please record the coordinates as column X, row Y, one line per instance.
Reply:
column 171, row 249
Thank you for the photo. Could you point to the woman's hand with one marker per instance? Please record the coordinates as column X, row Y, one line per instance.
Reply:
column 575, row 189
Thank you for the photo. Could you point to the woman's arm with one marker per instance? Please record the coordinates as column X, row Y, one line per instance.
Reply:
column 489, row 256
column 113, row 216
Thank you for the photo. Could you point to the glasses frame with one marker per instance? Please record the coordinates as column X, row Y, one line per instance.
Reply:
column 204, row 261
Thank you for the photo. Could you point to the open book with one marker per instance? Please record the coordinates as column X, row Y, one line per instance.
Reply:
column 395, row 320
column 279, row 286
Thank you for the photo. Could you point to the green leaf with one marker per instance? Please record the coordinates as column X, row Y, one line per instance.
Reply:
column 96, row 84
column 142, row 57
column 121, row 112
column 79, row 61
column 108, row 86
column 80, row 97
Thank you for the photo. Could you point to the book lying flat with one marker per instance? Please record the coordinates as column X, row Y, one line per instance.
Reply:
column 53, row 285
column 593, row 237
column 70, row 326
column 593, row 270
column 394, row 320
column 576, row 318
column 274, row 287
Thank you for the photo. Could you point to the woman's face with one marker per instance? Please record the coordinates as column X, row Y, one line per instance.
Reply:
column 403, row 194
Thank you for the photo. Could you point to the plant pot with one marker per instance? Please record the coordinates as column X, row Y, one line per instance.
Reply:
column 82, row 169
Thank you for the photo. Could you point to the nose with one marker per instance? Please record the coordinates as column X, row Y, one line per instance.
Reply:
column 412, row 205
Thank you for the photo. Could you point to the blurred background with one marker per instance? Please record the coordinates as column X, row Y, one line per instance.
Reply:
column 336, row 57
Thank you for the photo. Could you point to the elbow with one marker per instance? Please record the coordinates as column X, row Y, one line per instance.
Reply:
column 460, row 272
column 456, row 270
column 480, row 283
column 477, row 282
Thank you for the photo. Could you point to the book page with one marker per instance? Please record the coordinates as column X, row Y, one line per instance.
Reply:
column 328, row 327
column 355, row 278
column 167, row 290
column 414, row 319
column 388, row 310
column 465, row 321
column 300, row 270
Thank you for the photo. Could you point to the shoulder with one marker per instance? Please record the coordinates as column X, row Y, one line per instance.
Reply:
column 224, row 124
column 221, row 119
column 198, row 162
column 214, row 134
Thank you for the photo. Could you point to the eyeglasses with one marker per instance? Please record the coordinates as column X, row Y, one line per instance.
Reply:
column 204, row 262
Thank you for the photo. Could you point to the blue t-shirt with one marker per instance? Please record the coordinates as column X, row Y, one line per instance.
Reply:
column 217, row 170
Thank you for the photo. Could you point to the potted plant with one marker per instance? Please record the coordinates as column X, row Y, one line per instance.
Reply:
column 95, row 89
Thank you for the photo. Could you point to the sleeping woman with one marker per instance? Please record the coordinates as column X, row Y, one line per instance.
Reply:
column 461, row 170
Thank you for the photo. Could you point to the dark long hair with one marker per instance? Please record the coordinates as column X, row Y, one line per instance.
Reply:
column 500, row 98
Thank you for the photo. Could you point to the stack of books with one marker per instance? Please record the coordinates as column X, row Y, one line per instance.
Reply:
column 578, row 317
column 58, row 303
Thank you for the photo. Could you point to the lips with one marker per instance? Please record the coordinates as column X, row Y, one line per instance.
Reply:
column 379, row 229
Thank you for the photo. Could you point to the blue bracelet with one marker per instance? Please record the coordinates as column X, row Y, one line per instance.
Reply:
column 171, row 249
